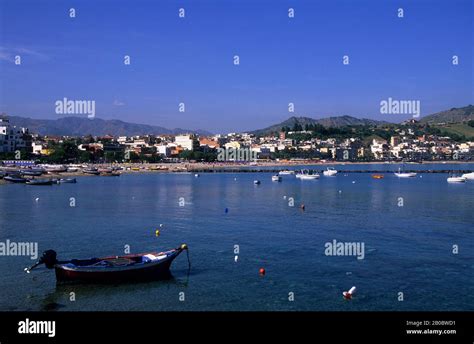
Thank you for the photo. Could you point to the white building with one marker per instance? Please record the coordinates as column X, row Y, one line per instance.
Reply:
column 185, row 141
column 13, row 138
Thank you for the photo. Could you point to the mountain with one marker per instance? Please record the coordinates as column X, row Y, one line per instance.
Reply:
column 79, row 126
column 454, row 115
column 339, row 121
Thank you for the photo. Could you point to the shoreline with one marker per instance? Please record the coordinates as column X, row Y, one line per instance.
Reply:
column 263, row 167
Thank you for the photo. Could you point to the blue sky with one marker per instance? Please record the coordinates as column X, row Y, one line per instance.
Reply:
column 190, row 60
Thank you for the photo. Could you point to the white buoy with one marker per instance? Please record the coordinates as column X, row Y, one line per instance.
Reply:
column 196, row 175
column 37, row 199
column 353, row 182
column 348, row 294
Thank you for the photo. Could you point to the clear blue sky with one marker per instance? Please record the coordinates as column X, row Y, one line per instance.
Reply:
column 190, row 60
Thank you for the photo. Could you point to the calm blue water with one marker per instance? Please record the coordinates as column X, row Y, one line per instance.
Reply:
column 407, row 249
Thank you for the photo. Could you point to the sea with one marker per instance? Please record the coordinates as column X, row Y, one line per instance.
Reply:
column 415, row 240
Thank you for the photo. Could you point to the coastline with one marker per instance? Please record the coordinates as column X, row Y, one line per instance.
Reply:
column 261, row 167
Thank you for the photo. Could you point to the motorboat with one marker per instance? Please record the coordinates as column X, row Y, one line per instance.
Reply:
column 276, row 178
column 307, row 175
column 330, row 172
column 456, row 180
column 286, row 173
column 401, row 174
column 468, row 176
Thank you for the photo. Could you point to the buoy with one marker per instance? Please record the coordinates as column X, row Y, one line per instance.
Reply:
column 37, row 199
column 236, row 258
column 302, row 206
column 261, row 271
column 353, row 182
column 226, row 210
column 157, row 233
column 340, row 191
column 284, row 197
column 196, row 175
column 348, row 294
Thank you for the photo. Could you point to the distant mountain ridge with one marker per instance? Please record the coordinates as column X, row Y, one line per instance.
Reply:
column 454, row 115
column 338, row 121
column 79, row 126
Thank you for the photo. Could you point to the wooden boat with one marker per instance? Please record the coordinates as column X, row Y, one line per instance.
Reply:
column 128, row 268
column 15, row 179
column 34, row 173
column 93, row 171
column 377, row 176
column 67, row 181
column 39, row 182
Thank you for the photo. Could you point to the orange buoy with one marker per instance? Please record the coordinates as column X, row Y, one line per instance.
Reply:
column 261, row 271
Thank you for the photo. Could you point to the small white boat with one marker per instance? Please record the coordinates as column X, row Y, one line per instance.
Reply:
column 256, row 182
column 196, row 175
column 286, row 173
column 330, row 172
column 401, row 174
column 276, row 178
column 456, row 180
column 307, row 175
column 468, row 176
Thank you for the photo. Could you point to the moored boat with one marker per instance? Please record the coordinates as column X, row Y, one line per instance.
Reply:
column 32, row 172
column 92, row 171
column 127, row 268
column 307, row 175
column 67, row 181
column 39, row 182
column 456, row 179
column 286, row 173
column 377, row 176
column 276, row 178
column 468, row 176
column 256, row 182
column 330, row 172
column 401, row 174
column 15, row 179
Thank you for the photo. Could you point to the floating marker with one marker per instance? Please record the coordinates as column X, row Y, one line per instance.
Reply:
column 340, row 191
column 157, row 233
column 196, row 175
column 226, row 210
column 261, row 271
column 302, row 206
column 236, row 258
column 256, row 182
column 235, row 179
column 37, row 199
column 348, row 294
column 284, row 197
column 353, row 182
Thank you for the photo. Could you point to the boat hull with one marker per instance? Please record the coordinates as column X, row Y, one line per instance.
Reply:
column 123, row 274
